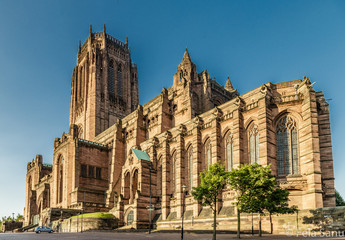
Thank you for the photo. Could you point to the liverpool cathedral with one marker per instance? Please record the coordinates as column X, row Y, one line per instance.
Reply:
column 118, row 155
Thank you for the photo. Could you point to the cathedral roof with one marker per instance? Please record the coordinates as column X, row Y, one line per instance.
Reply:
column 141, row 155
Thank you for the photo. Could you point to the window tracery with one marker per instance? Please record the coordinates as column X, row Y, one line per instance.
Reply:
column 229, row 152
column 111, row 77
column 287, row 146
column 208, row 154
column 119, row 81
column 254, row 145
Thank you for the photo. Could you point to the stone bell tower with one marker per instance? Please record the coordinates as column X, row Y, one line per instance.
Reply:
column 104, row 84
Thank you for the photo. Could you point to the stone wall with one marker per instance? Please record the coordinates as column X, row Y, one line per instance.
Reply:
column 194, row 123
column 10, row 226
column 322, row 219
column 81, row 224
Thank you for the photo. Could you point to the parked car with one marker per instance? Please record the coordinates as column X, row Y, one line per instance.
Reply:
column 43, row 229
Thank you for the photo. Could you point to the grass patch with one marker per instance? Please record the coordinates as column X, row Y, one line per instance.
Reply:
column 95, row 215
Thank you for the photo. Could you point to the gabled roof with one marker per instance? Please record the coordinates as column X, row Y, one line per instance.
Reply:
column 141, row 155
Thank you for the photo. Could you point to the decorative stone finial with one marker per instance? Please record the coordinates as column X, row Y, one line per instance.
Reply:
column 104, row 28
column 79, row 49
column 126, row 40
column 90, row 29
column 186, row 56
column 228, row 85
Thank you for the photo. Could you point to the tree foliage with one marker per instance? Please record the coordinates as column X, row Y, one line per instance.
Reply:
column 258, row 192
column 241, row 181
column 339, row 199
column 212, row 182
column 18, row 218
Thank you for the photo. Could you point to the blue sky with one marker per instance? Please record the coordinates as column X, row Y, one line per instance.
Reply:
column 253, row 42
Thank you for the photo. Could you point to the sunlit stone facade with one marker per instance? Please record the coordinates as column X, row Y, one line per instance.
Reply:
column 187, row 127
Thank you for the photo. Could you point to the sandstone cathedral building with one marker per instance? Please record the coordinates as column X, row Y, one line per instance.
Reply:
column 115, row 146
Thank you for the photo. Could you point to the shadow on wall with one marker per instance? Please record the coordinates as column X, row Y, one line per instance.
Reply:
column 326, row 219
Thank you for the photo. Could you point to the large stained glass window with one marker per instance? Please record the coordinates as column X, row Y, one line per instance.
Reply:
column 287, row 147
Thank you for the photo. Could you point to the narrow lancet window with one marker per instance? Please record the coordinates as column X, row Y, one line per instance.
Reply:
column 190, row 168
column 254, row 145
column 229, row 152
column 111, row 78
column 119, row 81
column 208, row 154
column 174, row 173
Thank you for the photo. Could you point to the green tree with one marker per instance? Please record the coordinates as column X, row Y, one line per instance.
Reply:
column 240, row 181
column 258, row 192
column 19, row 217
column 212, row 182
column 277, row 203
column 338, row 199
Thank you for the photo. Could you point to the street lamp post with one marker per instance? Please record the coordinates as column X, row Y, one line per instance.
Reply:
column 184, row 187
column 82, row 215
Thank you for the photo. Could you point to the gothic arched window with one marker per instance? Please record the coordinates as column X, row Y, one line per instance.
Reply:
column 119, row 81
column 229, row 152
column 174, row 173
column 159, row 177
column 287, row 150
column 60, row 179
column 134, row 184
column 111, row 77
column 81, row 86
column 208, row 154
column 126, row 189
column 254, row 145
column 190, row 168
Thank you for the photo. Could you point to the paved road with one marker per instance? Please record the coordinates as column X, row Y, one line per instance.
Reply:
column 139, row 236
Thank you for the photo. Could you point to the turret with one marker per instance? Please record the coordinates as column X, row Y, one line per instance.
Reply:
column 186, row 70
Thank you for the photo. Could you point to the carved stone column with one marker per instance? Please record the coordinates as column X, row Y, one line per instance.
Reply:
column 309, row 148
column 180, row 172
column 237, row 134
column 197, row 162
column 166, row 177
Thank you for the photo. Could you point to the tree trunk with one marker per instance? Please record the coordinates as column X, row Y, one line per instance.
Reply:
column 238, row 223
column 260, row 233
column 271, row 224
column 214, row 223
